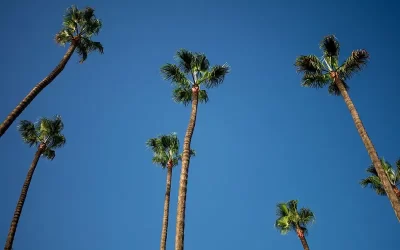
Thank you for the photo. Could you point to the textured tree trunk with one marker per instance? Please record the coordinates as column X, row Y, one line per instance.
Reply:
column 180, row 217
column 396, row 191
column 369, row 146
column 36, row 90
column 21, row 201
column 163, row 244
column 302, row 238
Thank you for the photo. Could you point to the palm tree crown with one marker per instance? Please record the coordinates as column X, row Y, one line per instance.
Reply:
column 45, row 133
column 193, row 70
column 166, row 150
column 78, row 27
column 375, row 183
column 291, row 219
column 319, row 72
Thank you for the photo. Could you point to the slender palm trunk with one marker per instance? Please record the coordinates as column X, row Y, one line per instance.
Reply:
column 180, row 217
column 302, row 238
column 369, row 146
column 21, row 201
column 163, row 244
column 36, row 90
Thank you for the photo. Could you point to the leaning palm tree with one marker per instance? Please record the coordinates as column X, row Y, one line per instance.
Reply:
column 78, row 28
column 326, row 71
column 375, row 183
column 46, row 136
column 289, row 218
column 166, row 154
column 192, row 72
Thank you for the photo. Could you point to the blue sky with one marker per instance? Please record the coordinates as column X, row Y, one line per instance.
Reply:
column 261, row 139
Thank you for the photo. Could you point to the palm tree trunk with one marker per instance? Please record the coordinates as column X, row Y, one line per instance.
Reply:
column 370, row 147
column 302, row 238
column 21, row 201
column 180, row 217
column 163, row 244
column 36, row 90
column 396, row 191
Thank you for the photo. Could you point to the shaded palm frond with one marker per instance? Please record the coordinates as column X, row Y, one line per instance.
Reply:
column 63, row 37
column 200, row 62
column 28, row 133
column 306, row 216
column 215, row 76
column 173, row 73
column 330, row 46
column 334, row 90
column 185, row 59
column 49, row 154
column 315, row 80
column 355, row 63
column 309, row 64
column 182, row 95
column 86, row 46
column 203, row 96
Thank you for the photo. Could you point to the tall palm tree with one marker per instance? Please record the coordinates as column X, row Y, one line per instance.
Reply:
column 289, row 218
column 375, row 183
column 326, row 71
column 166, row 154
column 192, row 72
column 46, row 136
column 78, row 28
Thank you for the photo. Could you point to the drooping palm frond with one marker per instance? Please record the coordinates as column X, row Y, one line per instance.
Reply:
column 49, row 154
column 28, row 132
column 353, row 64
column 185, row 60
column 316, row 80
column 306, row 217
column 173, row 73
column 330, row 46
column 333, row 89
column 184, row 95
column 215, row 76
column 309, row 64
column 86, row 46
column 375, row 183
column 200, row 62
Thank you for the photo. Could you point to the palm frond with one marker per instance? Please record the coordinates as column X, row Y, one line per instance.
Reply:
column 309, row 64
column 160, row 159
column 355, row 63
column 305, row 230
column 182, row 95
column 375, row 183
column 63, row 37
column 215, row 76
column 86, row 46
column 334, row 90
column 282, row 210
column 200, row 62
column 173, row 73
column 203, row 96
column 283, row 225
column 306, row 216
column 330, row 46
column 315, row 80
column 185, row 59
column 28, row 132
column 49, row 154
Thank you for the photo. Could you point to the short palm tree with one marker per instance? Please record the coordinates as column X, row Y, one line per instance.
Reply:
column 375, row 183
column 192, row 72
column 46, row 136
column 289, row 218
column 326, row 71
column 166, row 154
column 78, row 28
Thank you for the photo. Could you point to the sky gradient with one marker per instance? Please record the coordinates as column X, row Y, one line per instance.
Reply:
column 261, row 139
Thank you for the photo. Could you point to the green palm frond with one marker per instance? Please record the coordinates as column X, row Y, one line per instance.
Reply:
column 283, row 225
column 334, row 90
column 200, row 62
column 353, row 64
column 316, row 80
column 306, row 217
column 173, row 73
column 185, row 60
column 375, row 183
column 282, row 210
column 330, row 46
column 215, row 76
column 398, row 172
column 64, row 36
column 289, row 218
column 28, row 132
column 309, row 64
column 86, row 46
column 305, row 230
column 49, row 154
column 182, row 95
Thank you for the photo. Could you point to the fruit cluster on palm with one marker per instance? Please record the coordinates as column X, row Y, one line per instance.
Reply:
column 192, row 76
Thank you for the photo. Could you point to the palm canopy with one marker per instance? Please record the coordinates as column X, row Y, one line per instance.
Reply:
column 317, row 71
column 375, row 183
column 192, row 71
column 289, row 218
column 79, row 26
column 166, row 150
column 45, row 132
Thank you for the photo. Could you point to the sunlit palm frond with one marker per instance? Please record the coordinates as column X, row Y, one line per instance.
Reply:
column 71, row 18
column 63, row 37
column 283, row 225
column 215, row 76
column 173, row 73
column 200, row 62
column 330, row 46
column 355, row 63
column 185, row 59
column 28, row 132
column 282, row 210
column 333, row 89
column 309, row 64
column 315, row 80
column 160, row 159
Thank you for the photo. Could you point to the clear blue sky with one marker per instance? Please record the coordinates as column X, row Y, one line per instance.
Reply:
column 261, row 139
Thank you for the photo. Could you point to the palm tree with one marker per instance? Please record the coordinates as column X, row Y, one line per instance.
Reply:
column 325, row 71
column 79, row 27
column 291, row 219
column 192, row 72
column 166, row 154
column 375, row 183
column 46, row 136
